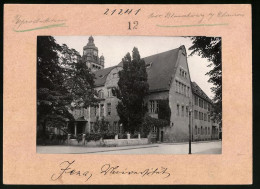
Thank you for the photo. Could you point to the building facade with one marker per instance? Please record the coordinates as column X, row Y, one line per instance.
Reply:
column 168, row 79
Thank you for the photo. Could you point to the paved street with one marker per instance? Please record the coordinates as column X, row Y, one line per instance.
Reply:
column 214, row 147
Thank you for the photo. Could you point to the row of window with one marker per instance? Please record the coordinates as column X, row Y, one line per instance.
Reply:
column 102, row 110
column 202, row 130
column 201, row 116
column 183, row 110
column 182, row 88
column 202, row 103
column 154, row 106
column 110, row 93
column 96, row 67
column 183, row 73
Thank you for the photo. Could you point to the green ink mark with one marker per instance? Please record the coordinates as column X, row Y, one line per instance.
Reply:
column 42, row 27
column 178, row 26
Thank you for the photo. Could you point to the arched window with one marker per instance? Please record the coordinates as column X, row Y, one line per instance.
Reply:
column 101, row 94
column 196, row 130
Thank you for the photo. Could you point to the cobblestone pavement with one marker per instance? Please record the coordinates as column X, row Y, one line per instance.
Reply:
column 212, row 147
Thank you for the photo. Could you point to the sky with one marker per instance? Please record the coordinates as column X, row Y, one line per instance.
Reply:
column 114, row 48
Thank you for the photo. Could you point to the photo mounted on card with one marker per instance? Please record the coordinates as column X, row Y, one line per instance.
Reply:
column 127, row 94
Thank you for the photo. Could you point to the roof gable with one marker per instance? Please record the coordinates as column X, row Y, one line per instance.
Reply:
column 199, row 92
column 160, row 68
column 101, row 76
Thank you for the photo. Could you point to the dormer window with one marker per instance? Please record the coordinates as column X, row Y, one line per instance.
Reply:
column 149, row 65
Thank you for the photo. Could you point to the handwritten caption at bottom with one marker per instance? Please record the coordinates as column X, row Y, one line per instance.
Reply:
column 67, row 168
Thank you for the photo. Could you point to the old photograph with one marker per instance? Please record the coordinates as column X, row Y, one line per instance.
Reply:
column 129, row 95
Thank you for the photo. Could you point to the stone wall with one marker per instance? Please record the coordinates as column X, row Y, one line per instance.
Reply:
column 109, row 142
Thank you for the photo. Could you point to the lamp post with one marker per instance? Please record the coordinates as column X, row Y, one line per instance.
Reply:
column 190, row 130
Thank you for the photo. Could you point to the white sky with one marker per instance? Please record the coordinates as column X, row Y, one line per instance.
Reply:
column 114, row 48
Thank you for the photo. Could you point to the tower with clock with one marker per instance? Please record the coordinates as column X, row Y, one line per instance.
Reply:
column 90, row 56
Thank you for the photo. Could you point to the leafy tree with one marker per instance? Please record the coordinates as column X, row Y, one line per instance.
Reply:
column 61, row 80
column 149, row 122
column 132, row 88
column 78, row 79
column 52, row 96
column 210, row 48
column 101, row 125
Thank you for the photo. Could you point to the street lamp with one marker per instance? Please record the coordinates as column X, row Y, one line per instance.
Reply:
column 190, row 110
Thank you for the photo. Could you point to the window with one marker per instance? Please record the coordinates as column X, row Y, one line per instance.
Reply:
column 95, row 110
column 205, row 105
column 182, row 111
column 187, row 111
column 178, row 110
column 157, row 106
column 205, row 117
column 100, row 94
column 109, row 109
column 201, row 103
column 152, row 106
column 196, row 114
column 208, row 118
column 102, row 110
column 184, row 86
column 109, row 93
column 201, row 130
column 188, row 91
column 208, row 131
column 196, row 130
column 154, row 129
column 196, row 100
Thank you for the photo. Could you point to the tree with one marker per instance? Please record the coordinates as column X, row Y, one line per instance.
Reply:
column 79, row 80
column 61, row 80
column 132, row 88
column 149, row 123
column 210, row 48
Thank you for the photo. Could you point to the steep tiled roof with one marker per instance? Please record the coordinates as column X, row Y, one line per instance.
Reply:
column 160, row 68
column 101, row 76
column 198, row 91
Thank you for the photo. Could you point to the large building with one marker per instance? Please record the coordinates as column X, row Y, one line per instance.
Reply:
column 168, row 79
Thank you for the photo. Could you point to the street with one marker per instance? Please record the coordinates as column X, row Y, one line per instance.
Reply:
column 203, row 147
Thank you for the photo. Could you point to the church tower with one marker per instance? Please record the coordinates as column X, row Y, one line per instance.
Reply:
column 90, row 56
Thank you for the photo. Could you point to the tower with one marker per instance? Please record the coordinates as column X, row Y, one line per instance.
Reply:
column 90, row 56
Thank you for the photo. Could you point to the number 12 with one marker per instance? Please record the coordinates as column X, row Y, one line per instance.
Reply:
column 135, row 24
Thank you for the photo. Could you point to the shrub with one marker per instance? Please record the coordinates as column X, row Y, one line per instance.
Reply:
column 93, row 136
column 109, row 135
column 122, row 136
